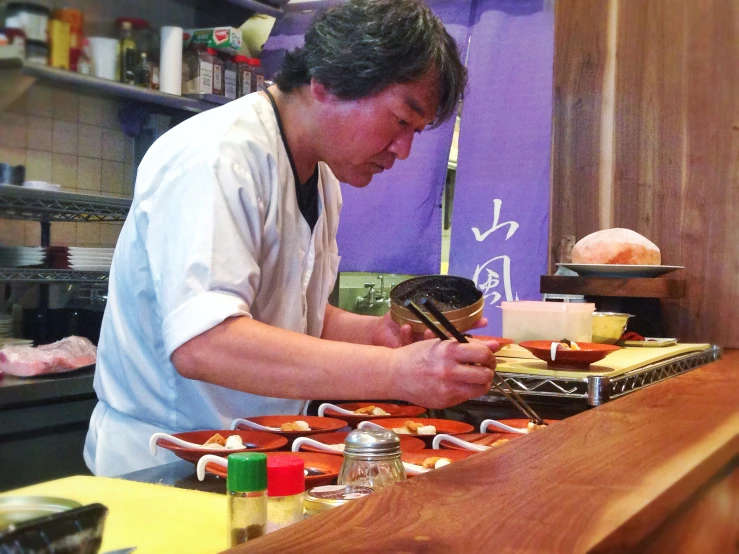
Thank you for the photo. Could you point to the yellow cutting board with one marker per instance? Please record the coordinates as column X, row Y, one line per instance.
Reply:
column 516, row 359
column 153, row 518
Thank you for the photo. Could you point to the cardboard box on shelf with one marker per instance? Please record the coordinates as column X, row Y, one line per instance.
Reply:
column 225, row 39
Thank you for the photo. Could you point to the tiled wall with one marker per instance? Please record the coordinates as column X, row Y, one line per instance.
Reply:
column 73, row 140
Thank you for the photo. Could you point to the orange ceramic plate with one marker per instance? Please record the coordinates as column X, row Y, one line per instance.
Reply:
column 418, row 456
column 261, row 441
column 589, row 353
column 323, row 469
column 446, row 426
column 394, row 410
column 407, row 443
column 316, row 424
column 500, row 340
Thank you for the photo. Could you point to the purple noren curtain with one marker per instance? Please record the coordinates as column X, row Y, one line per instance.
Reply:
column 500, row 221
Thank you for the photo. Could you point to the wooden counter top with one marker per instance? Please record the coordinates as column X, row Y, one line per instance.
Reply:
column 605, row 480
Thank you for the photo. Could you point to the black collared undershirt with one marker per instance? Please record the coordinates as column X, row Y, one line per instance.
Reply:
column 307, row 192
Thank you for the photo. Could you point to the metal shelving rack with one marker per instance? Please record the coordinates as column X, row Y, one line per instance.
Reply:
column 47, row 206
column 595, row 390
column 50, row 276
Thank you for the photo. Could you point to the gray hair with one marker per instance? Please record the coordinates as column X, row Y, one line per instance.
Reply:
column 359, row 48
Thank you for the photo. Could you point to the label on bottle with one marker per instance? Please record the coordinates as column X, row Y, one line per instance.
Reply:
column 206, row 78
column 217, row 79
column 246, row 83
column 155, row 77
column 260, row 82
column 230, row 79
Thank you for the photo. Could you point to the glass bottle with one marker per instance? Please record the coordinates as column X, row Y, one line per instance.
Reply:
column 142, row 74
column 371, row 459
column 246, row 488
column 127, row 48
column 285, row 488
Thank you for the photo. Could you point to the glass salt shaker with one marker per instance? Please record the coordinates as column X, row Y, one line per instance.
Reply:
column 371, row 459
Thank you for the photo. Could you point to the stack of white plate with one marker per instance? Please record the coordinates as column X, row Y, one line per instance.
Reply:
column 90, row 259
column 6, row 334
column 6, row 327
column 22, row 256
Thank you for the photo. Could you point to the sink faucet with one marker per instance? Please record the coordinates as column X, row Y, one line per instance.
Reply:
column 372, row 296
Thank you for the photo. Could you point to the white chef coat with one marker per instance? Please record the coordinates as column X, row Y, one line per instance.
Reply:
column 214, row 231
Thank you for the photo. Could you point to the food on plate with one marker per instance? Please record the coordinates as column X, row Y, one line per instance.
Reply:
column 218, row 441
column 234, row 441
column 616, row 246
column 413, row 428
column 64, row 355
column 531, row 426
column 631, row 335
column 295, row 426
column 371, row 410
column 435, row 462
column 564, row 344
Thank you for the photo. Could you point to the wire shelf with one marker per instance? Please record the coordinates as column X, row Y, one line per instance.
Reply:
column 41, row 205
column 49, row 276
column 596, row 390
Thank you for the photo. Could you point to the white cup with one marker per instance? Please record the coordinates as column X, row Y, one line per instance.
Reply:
column 104, row 52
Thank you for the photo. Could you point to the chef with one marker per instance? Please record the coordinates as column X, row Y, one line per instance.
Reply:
column 218, row 295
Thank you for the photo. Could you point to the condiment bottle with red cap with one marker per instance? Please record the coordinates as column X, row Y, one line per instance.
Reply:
column 285, row 488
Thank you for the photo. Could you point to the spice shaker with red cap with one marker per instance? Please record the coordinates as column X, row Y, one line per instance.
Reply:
column 285, row 488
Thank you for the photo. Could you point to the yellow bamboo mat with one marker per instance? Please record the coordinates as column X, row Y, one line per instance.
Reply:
column 516, row 359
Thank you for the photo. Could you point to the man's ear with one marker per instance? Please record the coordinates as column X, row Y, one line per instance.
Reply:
column 319, row 91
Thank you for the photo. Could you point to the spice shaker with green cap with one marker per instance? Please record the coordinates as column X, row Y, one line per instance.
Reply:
column 246, row 485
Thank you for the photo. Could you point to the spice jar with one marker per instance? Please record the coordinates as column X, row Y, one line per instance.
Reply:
column 244, row 75
column 246, row 485
column 257, row 81
column 229, row 77
column 217, row 72
column 371, row 459
column 321, row 499
column 285, row 488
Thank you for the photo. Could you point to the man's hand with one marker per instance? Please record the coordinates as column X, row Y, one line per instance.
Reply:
column 439, row 374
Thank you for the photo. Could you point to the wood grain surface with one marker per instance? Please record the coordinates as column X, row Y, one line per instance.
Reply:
column 674, row 140
column 603, row 480
column 603, row 286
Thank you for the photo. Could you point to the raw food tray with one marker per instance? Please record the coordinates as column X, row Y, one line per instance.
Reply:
column 619, row 373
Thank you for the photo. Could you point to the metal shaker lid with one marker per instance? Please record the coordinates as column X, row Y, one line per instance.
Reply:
column 372, row 442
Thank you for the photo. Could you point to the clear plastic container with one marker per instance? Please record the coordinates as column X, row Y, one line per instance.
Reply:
column 533, row 320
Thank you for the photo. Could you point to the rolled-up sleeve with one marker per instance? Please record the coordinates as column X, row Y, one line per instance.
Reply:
column 203, row 242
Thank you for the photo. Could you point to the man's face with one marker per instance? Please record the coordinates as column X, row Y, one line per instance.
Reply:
column 365, row 137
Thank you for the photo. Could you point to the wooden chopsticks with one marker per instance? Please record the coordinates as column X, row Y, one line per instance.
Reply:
column 499, row 383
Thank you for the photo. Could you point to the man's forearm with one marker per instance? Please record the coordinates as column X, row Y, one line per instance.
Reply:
column 250, row 356
column 340, row 325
